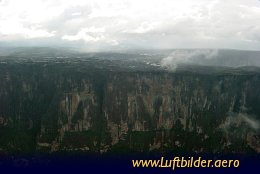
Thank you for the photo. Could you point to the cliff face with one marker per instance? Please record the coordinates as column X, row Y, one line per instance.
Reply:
column 63, row 108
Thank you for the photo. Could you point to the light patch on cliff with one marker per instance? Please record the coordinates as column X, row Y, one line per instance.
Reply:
column 254, row 124
column 239, row 120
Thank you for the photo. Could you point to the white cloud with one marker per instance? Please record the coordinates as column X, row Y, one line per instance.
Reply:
column 76, row 14
column 9, row 28
column 91, row 34
column 135, row 23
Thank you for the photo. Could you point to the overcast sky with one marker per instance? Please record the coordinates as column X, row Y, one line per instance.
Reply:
column 131, row 24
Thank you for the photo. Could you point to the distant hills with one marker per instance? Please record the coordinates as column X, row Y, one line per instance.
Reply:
column 165, row 58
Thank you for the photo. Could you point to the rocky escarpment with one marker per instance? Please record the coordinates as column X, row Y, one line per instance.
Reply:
column 52, row 107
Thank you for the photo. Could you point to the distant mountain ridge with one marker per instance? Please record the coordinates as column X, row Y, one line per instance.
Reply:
column 165, row 58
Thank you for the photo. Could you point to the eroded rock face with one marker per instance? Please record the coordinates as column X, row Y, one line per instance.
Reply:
column 56, row 108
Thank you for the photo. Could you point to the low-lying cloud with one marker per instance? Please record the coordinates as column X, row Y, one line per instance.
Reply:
column 178, row 57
